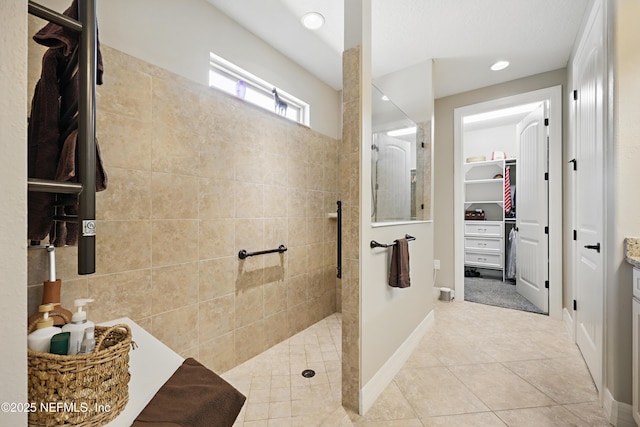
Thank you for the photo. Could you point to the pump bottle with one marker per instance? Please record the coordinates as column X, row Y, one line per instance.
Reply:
column 78, row 325
column 40, row 339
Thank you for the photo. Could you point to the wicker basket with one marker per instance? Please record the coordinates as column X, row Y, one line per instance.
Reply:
column 82, row 390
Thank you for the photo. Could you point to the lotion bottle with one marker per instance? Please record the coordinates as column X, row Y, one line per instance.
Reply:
column 78, row 325
column 40, row 339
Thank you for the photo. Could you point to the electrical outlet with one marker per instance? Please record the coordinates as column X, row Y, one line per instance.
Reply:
column 436, row 264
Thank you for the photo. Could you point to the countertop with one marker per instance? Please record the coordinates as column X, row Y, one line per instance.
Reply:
column 632, row 251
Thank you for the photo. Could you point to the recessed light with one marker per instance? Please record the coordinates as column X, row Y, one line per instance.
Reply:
column 500, row 65
column 312, row 20
column 384, row 97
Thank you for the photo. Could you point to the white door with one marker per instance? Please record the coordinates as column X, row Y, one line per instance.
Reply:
column 589, row 69
column 532, row 201
column 393, row 176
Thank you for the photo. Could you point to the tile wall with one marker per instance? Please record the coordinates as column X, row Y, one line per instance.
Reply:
column 195, row 176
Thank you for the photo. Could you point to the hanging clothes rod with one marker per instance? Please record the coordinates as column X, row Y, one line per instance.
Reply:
column 53, row 16
column 375, row 244
column 244, row 254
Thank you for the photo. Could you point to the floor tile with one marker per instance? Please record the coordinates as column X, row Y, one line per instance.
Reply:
column 481, row 419
column 498, row 387
column 548, row 416
column 477, row 366
column 565, row 380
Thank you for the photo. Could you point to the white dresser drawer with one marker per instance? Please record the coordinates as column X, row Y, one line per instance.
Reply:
column 483, row 228
column 636, row 283
column 483, row 259
column 483, row 244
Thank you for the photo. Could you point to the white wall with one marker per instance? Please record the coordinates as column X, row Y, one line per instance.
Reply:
column 179, row 34
column 13, row 209
column 482, row 142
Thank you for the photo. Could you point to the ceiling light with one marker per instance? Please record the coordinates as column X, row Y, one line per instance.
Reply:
column 500, row 65
column 384, row 97
column 312, row 20
column 403, row 131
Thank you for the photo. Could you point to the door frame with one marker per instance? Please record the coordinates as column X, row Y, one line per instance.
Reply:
column 554, row 96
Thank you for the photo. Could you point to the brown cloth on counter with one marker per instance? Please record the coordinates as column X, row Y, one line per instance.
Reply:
column 194, row 396
column 399, row 270
column 52, row 143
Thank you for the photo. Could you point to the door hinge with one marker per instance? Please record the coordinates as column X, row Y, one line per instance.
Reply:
column 575, row 305
column 422, row 206
column 546, row 176
column 422, row 144
column 575, row 164
column 546, row 284
column 575, row 234
column 546, row 230
column 546, row 122
column 575, row 95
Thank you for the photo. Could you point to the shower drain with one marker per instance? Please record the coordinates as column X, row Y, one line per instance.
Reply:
column 308, row 373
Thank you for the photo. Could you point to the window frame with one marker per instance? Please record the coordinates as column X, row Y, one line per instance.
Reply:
column 230, row 71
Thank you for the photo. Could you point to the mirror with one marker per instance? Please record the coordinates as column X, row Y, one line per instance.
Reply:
column 394, row 173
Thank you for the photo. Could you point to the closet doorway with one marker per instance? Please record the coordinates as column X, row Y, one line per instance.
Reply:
column 508, row 247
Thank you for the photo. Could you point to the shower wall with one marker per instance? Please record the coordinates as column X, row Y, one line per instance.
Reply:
column 195, row 176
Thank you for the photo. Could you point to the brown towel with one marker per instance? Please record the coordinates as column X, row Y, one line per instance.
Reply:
column 399, row 270
column 194, row 396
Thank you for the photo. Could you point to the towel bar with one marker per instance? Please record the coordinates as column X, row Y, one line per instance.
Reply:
column 375, row 244
column 244, row 254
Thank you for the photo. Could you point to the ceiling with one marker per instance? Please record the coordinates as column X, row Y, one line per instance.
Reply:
column 462, row 37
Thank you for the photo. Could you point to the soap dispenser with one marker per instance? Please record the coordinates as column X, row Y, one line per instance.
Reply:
column 40, row 339
column 78, row 325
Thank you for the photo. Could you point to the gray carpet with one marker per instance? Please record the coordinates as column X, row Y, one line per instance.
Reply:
column 496, row 292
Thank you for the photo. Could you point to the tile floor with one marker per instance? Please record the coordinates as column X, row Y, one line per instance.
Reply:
column 477, row 365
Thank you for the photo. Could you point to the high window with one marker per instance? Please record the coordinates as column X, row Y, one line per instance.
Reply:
column 234, row 80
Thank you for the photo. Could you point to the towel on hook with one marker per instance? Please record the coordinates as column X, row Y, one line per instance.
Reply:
column 399, row 271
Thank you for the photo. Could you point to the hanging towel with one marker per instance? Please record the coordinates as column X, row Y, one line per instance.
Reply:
column 507, row 191
column 52, row 144
column 399, row 270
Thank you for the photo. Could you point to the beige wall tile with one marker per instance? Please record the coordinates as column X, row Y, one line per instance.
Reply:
column 174, row 286
column 250, row 341
column 297, row 290
column 216, row 239
column 249, row 199
column 219, row 353
column 173, row 196
column 216, row 199
column 216, row 278
column 276, row 167
column 275, row 298
column 177, row 328
column 120, row 295
column 125, row 141
column 174, row 241
column 128, row 196
column 249, row 164
column 216, row 317
column 275, row 201
column 298, row 261
column 297, row 202
column 276, row 328
column 122, row 246
column 249, row 306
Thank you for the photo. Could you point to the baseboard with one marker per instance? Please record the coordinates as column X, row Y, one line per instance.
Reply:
column 376, row 385
column 568, row 321
column 617, row 413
